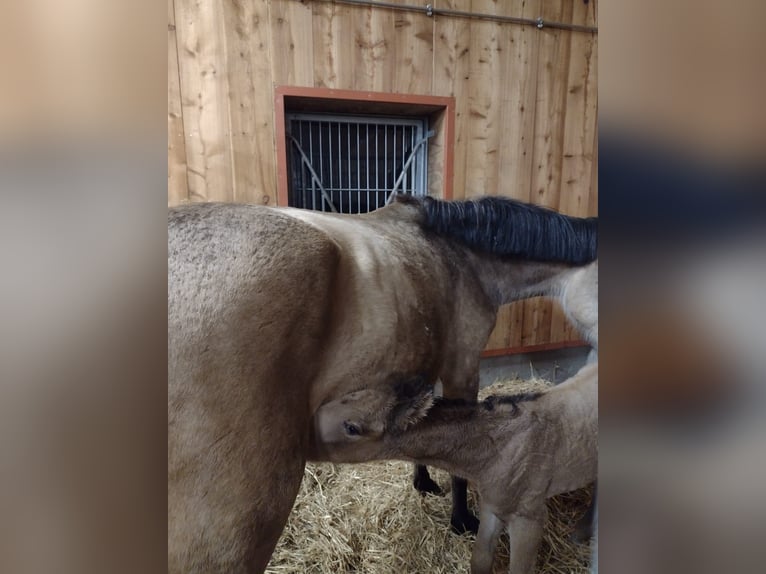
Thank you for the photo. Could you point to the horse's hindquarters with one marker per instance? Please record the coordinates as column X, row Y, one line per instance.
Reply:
column 248, row 294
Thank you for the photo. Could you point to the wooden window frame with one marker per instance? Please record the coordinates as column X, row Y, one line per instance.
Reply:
column 317, row 99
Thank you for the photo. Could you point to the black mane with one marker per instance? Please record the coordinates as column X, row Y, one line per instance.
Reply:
column 468, row 409
column 503, row 226
column 513, row 400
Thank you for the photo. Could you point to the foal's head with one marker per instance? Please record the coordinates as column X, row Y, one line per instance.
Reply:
column 351, row 428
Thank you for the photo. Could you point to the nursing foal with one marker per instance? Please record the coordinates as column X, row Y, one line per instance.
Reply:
column 518, row 450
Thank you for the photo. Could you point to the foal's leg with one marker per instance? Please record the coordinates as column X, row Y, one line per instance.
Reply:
column 486, row 542
column 525, row 535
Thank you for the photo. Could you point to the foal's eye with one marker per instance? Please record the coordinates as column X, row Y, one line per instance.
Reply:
column 351, row 429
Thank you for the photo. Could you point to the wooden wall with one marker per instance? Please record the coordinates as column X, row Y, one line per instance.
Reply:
column 526, row 102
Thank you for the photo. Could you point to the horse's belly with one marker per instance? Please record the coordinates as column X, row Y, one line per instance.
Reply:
column 370, row 361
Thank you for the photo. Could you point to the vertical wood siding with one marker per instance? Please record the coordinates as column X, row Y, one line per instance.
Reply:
column 526, row 102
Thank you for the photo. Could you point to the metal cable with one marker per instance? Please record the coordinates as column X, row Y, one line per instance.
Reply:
column 429, row 10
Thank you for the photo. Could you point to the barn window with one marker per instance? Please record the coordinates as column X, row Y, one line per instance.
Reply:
column 352, row 163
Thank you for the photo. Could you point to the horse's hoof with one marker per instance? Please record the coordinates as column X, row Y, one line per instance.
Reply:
column 463, row 524
column 427, row 486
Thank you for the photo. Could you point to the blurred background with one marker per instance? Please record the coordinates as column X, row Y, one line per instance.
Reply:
column 83, row 287
column 82, row 290
column 683, row 270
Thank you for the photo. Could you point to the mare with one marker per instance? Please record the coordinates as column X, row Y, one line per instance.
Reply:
column 273, row 312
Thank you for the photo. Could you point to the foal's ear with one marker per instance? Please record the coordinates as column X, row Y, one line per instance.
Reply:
column 414, row 396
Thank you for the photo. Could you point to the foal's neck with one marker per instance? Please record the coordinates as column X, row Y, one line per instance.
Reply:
column 455, row 437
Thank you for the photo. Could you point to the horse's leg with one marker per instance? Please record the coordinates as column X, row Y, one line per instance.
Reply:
column 525, row 536
column 267, row 528
column 486, row 542
column 584, row 528
column 462, row 519
column 230, row 516
column 423, row 482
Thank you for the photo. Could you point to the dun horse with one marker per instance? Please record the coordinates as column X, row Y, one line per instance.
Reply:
column 518, row 450
column 273, row 312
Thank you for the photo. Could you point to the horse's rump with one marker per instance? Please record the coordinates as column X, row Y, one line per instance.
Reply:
column 249, row 290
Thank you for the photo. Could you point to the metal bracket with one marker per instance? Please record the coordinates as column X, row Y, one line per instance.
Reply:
column 540, row 23
column 405, row 167
column 429, row 10
column 314, row 176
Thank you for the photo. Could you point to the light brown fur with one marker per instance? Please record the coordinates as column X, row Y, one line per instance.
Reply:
column 517, row 454
column 274, row 312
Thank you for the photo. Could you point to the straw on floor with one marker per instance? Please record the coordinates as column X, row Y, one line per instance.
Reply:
column 368, row 519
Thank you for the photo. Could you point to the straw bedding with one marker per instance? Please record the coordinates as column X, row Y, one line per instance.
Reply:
column 368, row 519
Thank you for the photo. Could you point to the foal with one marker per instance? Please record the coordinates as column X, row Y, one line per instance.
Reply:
column 518, row 450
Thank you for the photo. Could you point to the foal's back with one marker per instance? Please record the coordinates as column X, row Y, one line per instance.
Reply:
column 572, row 410
column 550, row 447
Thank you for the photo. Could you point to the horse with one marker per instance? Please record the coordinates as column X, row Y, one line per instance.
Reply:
column 519, row 450
column 273, row 312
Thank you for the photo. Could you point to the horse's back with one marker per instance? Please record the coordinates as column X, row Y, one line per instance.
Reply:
column 242, row 277
column 239, row 370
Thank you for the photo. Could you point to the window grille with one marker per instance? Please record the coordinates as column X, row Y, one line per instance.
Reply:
column 354, row 164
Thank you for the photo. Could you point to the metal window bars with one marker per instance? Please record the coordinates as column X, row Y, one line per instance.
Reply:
column 354, row 164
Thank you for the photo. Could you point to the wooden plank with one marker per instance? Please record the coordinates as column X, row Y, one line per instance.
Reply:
column 578, row 196
column 251, row 102
column 363, row 62
column 413, row 46
column 580, row 130
column 178, row 190
column 517, row 79
column 373, row 63
column 549, row 116
column 292, row 48
column 593, row 195
column 550, row 110
column 205, row 99
column 451, row 77
column 381, row 64
column 483, row 104
column 519, row 119
column 321, row 17
column 333, row 30
column 520, row 78
column 264, row 160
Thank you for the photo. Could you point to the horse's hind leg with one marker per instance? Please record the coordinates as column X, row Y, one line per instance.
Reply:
column 585, row 526
column 266, row 533
column 230, row 521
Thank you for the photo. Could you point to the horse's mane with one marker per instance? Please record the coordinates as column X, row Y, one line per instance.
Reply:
column 491, row 401
column 503, row 226
column 469, row 409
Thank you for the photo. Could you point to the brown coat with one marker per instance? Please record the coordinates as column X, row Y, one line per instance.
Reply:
column 518, row 451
